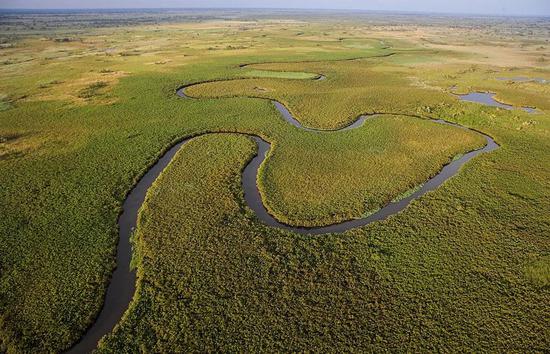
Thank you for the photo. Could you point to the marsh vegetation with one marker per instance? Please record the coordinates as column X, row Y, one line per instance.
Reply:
column 464, row 268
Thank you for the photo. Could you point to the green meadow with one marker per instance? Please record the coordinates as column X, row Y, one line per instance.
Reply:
column 281, row 74
column 86, row 110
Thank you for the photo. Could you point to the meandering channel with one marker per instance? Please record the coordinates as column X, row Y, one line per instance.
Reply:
column 122, row 285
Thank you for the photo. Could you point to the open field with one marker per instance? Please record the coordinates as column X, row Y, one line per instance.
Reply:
column 86, row 109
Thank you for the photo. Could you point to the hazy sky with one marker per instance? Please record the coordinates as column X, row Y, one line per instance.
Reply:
column 501, row 7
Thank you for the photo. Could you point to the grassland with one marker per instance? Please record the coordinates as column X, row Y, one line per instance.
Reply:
column 466, row 268
column 281, row 74
column 228, row 283
column 352, row 88
column 298, row 188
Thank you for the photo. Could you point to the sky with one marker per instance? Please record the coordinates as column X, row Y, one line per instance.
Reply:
column 497, row 7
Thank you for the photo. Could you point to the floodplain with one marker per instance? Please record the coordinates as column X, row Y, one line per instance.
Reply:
column 87, row 107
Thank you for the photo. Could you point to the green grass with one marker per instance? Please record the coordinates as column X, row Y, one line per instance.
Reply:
column 462, row 269
column 352, row 88
column 4, row 104
column 281, row 74
column 539, row 272
column 300, row 190
column 407, row 194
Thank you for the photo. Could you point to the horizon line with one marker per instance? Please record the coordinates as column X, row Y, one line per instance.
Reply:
column 273, row 8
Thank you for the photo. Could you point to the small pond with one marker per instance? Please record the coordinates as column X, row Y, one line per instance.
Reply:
column 539, row 80
column 489, row 100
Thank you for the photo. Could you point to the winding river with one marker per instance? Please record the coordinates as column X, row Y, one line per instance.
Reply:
column 122, row 285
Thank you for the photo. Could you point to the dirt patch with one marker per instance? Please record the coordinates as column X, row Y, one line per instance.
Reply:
column 17, row 145
column 92, row 88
